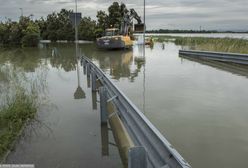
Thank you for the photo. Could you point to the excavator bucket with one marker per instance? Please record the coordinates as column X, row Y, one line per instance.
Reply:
column 139, row 28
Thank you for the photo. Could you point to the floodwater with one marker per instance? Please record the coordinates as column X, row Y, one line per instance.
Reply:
column 207, row 35
column 199, row 106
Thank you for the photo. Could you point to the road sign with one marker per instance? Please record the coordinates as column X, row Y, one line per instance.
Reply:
column 75, row 18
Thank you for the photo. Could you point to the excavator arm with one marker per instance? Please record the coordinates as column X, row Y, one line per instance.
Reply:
column 135, row 16
column 127, row 22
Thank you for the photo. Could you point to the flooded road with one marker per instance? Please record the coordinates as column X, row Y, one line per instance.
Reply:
column 67, row 132
column 200, row 107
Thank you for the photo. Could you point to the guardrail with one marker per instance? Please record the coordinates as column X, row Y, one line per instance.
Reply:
column 241, row 70
column 217, row 56
column 160, row 153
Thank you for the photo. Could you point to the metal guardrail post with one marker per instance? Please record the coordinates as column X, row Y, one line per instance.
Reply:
column 103, row 105
column 84, row 66
column 93, row 81
column 88, row 69
column 137, row 157
column 216, row 56
column 94, row 100
column 105, row 139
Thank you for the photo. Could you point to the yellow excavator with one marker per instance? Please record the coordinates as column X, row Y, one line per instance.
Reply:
column 121, row 38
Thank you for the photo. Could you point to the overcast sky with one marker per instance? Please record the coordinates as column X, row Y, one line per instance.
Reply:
column 167, row 14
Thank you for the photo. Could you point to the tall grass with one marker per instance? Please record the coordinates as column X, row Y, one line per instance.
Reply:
column 20, row 98
column 19, row 108
column 211, row 44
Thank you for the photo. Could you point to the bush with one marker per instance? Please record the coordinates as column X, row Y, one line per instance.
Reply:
column 30, row 40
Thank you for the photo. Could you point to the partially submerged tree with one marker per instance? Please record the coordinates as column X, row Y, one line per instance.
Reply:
column 102, row 22
column 87, row 28
column 25, row 32
column 31, row 35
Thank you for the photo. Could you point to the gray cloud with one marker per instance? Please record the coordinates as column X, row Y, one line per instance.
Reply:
column 176, row 14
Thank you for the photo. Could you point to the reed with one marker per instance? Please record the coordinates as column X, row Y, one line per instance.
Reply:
column 211, row 44
column 20, row 99
column 13, row 115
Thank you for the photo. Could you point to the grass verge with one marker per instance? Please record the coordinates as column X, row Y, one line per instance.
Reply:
column 210, row 44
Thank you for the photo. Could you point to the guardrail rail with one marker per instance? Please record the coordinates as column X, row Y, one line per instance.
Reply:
column 160, row 153
column 217, row 56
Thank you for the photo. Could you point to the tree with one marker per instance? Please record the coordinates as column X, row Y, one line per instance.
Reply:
column 31, row 35
column 115, row 16
column 17, row 33
column 65, row 31
column 42, row 23
column 52, row 27
column 3, row 33
column 102, row 23
column 87, row 29
column 58, row 26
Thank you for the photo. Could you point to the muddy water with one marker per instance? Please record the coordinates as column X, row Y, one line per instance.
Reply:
column 200, row 107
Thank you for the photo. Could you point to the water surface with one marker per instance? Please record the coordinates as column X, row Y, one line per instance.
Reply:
column 200, row 107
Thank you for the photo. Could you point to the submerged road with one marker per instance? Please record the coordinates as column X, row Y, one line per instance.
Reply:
column 201, row 109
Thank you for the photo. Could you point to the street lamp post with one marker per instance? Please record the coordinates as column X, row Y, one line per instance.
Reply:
column 76, row 28
column 79, row 93
column 144, row 33
column 21, row 11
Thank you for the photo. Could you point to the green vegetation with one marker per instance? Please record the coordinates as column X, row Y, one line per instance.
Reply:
column 13, row 117
column 113, row 19
column 20, row 98
column 210, row 44
column 181, row 31
column 25, row 32
column 190, row 31
column 57, row 26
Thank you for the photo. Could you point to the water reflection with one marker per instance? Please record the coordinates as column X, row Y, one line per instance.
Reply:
column 63, row 57
column 79, row 93
column 28, row 59
column 163, row 46
column 184, row 101
column 241, row 70
column 119, row 64
column 105, row 140
column 72, row 128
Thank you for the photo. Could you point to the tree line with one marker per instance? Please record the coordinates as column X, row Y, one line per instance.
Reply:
column 58, row 26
